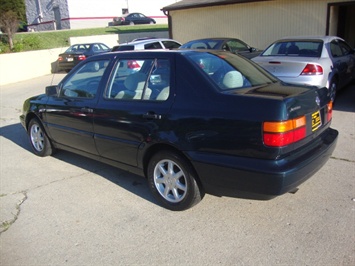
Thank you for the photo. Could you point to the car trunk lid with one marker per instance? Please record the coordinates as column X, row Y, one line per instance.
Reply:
column 289, row 67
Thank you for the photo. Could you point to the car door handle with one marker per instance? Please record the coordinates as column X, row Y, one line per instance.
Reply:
column 151, row 116
column 87, row 110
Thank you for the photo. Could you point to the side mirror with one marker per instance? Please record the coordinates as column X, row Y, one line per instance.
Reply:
column 252, row 49
column 52, row 90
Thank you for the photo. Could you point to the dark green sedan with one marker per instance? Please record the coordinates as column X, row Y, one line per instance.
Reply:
column 191, row 122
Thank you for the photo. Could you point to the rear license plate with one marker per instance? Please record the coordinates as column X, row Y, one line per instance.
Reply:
column 316, row 121
column 70, row 59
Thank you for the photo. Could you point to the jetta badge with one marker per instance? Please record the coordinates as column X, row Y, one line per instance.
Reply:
column 317, row 100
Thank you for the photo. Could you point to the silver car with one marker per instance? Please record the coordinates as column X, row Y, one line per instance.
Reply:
column 147, row 44
column 322, row 61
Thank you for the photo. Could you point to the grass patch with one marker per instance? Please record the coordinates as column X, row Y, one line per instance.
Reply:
column 30, row 41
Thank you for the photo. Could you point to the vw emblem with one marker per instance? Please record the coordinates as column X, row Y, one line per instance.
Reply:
column 317, row 100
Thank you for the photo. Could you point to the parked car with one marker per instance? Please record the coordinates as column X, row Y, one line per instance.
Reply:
column 132, row 19
column 226, row 128
column 147, row 44
column 227, row 44
column 322, row 61
column 79, row 52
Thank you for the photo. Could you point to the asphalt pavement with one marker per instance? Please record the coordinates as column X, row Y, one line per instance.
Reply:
column 69, row 210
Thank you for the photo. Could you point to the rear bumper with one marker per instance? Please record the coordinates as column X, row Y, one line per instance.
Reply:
column 261, row 179
column 67, row 65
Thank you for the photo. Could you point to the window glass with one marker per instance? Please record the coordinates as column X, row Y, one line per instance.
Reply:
column 170, row 44
column 235, row 46
column 140, row 79
column 295, row 48
column 123, row 48
column 84, row 83
column 153, row 45
column 230, row 72
column 345, row 47
column 335, row 49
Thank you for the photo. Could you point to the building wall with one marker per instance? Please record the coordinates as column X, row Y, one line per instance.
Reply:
column 257, row 23
column 77, row 14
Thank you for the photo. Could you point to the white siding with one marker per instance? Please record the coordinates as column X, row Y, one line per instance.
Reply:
column 258, row 23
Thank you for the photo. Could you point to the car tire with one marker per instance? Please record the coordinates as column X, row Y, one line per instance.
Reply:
column 333, row 87
column 39, row 140
column 172, row 181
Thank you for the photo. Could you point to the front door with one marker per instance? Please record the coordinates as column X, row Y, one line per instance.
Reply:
column 69, row 115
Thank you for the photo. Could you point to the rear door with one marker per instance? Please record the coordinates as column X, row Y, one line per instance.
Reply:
column 130, row 113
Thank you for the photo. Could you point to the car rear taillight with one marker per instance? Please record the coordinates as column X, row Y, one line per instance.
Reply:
column 329, row 111
column 132, row 64
column 60, row 58
column 278, row 134
column 81, row 57
column 312, row 69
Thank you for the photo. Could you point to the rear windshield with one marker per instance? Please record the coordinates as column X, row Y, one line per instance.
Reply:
column 230, row 71
column 202, row 44
column 295, row 48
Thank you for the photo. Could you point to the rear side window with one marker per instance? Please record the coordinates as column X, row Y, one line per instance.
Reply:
column 170, row 44
column 339, row 48
column 154, row 45
column 230, row 72
column 295, row 48
column 140, row 79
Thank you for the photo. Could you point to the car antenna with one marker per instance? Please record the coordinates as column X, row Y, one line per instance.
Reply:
column 55, row 70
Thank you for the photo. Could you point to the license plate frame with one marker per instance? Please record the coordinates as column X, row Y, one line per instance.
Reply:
column 316, row 120
column 70, row 59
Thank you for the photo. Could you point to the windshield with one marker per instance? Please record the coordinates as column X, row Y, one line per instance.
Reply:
column 304, row 48
column 230, row 71
column 78, row 48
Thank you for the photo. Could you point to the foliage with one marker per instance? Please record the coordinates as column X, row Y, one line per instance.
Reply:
column 9, row 25
column 17, row 6
column 11, row 13
column 55, row 39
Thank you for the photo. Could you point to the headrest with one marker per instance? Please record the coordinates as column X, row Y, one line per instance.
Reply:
column 233, row 79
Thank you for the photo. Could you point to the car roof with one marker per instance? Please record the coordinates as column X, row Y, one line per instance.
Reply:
column 147, row 41
column 92, row 43
column 324, row 38
column 158, row 52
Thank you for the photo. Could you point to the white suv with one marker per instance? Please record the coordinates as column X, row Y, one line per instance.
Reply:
column 147, row 44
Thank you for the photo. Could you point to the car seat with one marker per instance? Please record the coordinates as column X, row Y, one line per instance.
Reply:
column 134, row 85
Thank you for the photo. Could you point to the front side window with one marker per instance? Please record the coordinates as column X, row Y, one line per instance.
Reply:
column 236, row 46
column 140, row 79
column 84, row 83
